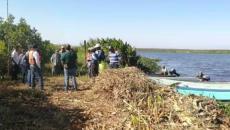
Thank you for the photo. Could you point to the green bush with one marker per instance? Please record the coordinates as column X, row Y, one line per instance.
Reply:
column 127, row 52
column 225, row 107
column 3, row 59
column 148, row 65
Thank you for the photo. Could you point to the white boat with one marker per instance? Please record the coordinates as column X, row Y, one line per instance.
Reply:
column 190, row 85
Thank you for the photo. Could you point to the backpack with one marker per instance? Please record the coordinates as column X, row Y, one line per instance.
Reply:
column 101, row 55
column 25, row 61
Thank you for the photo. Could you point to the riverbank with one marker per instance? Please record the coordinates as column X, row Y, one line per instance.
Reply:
column 184, row 51
column 116, row 99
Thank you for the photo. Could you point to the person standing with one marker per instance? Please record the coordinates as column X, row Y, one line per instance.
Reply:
column 113, row 58
column 89, row 62
column 101, row 58
column 28, row 67
column 14, row 62
column 35, row 67
column 23, row 63
column 94, row 63
column 56, row 63
column 68, row 60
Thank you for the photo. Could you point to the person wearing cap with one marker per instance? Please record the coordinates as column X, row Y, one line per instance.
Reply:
column 68, row 60
column 35, row 67
column 56, row 63
column 94, row 63
column 101, row 57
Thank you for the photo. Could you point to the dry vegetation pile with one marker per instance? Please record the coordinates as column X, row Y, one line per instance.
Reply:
column 150, row 106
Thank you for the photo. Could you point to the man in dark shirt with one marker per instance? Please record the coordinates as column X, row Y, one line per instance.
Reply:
column 69, row 62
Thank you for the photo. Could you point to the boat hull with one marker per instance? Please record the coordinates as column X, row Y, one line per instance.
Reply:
column 215, row 90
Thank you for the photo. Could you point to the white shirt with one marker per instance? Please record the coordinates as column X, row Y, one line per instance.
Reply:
column 14, row 56
column 37, row 58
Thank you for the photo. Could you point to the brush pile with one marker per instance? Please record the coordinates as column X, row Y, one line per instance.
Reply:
column 150, row 106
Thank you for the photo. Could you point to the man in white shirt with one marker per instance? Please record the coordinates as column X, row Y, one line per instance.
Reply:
column 14, row 61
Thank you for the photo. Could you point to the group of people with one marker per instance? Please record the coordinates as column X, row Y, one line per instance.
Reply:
column 28, row 63
column 96, row 58
column 64, row 61
column 172, row 72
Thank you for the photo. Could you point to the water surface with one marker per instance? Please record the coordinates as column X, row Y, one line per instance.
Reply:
column 217, row 66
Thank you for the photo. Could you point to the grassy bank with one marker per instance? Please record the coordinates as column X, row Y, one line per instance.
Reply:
column 184, row 51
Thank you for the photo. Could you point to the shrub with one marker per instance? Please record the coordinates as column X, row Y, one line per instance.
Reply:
column 148, row 65
column 3, row 59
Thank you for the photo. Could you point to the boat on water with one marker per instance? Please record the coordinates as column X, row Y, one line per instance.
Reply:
column 190, row 85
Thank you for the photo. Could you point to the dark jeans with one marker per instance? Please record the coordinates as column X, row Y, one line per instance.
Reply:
column 56, row 69
column 23, row 70
column 14, row 72
column 29, row 77
column 36, row 75
column 94, row 69
column 70, row 73
column 113, row 65
column 89, row 68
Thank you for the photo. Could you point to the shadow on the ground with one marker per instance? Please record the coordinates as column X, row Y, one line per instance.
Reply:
column 27, row 109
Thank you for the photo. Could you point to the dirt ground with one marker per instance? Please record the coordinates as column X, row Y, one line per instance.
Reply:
column 22, row 108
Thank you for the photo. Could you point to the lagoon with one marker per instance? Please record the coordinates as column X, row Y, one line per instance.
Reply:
column 217, row 66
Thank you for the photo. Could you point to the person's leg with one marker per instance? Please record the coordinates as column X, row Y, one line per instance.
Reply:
column 17, row 70
column 97, row 69
column 89, row 69
column 52, row 71
column 32, row 76
column 66, row 79
column 92, row 69
column 40, row 78
column 29, row 77
column 23, row 74
column 73, row 77
column 13, row 72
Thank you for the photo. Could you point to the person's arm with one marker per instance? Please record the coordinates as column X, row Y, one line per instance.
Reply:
column 51, row 59
column 94, row 56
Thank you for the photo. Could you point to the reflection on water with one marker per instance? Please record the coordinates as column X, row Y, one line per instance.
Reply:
column 217, row 66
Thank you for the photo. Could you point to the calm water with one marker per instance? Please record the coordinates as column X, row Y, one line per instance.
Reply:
column 217, row 66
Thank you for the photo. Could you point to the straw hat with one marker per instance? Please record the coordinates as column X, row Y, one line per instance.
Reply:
column 97, row 45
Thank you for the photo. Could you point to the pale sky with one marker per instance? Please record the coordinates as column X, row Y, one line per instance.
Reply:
column 187, row 24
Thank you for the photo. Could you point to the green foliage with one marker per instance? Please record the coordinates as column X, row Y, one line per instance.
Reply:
column 127, row 52
column 22, row 35
column 3, row 58
column 148, row 65
column 225, row 107
column 81, row 63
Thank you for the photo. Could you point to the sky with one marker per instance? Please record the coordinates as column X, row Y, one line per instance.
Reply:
column 181, row 24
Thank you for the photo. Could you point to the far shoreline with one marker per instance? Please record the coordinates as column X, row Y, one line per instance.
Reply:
column 192, row 51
